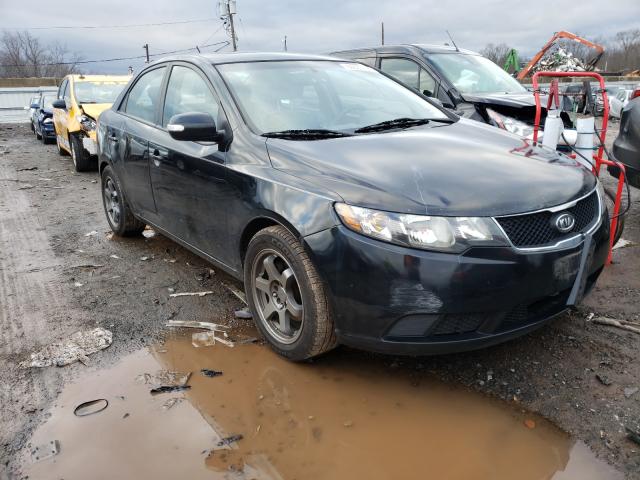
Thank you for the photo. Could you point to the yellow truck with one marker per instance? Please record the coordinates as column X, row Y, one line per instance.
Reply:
column 81, row 99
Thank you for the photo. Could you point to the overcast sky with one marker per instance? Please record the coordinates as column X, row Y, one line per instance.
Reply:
column 311, row 25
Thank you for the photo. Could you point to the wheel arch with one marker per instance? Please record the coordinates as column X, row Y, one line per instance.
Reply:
column 264, row 220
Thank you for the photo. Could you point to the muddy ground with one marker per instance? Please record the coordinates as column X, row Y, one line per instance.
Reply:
column 60, row 272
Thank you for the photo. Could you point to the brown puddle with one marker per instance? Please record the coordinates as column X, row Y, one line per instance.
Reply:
column 347, row 416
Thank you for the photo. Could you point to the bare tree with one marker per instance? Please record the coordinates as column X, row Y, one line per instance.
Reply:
column 23, row 55
column 497, row 53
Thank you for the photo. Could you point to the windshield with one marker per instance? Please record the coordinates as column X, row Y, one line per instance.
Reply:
column 319, row 95
column 475, row 74
column 97, row 92
column 47, row 102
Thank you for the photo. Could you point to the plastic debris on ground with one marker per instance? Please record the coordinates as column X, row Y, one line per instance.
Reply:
column 90, row 407
column 76, row 348
column 171, row 402
column 215, row 327
column 208, row 339
column 210, row 373
column 621, row 243
column 229, row 440
column 164, row 377
column 191, row 294
column 45, row 451
column 169, row 389
column 238, row 293
column 243, row 314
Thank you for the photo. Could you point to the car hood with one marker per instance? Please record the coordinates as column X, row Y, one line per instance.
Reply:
column 95, row 109
column 463, row 169
column 515, row 100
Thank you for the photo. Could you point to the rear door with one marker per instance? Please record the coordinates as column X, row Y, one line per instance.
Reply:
column 141, row 109
column 189, row 178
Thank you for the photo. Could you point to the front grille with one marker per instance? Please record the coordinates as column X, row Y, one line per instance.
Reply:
column 535, row 229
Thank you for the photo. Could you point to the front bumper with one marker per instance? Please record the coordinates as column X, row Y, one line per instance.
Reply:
column 90, row 145
column 399, row 300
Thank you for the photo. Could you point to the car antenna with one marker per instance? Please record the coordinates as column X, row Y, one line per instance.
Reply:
column 451, row 38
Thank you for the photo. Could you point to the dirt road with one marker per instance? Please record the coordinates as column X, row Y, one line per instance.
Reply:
column 61, row 271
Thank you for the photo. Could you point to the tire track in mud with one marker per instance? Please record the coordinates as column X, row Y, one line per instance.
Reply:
column 33, row 307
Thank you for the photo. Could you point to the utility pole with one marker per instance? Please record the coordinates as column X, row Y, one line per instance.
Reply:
column 382, row 31
column 285, row 43
column 146, row 50
column 227, row 10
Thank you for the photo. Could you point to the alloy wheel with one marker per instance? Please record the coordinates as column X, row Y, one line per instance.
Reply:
column 277, row 297
column 111, row 201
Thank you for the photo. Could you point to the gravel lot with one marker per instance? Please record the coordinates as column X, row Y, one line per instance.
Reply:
column 578, row 374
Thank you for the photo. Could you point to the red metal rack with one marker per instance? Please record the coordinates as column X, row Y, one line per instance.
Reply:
column 599, row 155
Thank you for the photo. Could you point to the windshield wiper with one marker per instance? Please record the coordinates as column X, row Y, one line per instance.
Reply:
column 396, row 123
column 307, row 134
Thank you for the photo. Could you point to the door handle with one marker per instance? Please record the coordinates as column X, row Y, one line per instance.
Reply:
column 157, row 155
column 113, row 138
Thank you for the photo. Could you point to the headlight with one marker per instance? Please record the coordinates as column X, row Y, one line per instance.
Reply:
column 87, row 123
column 48, row 120
column 510, row 124
column 445, row 234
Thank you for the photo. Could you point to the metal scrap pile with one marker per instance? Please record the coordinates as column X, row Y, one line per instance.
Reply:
column 560, row 61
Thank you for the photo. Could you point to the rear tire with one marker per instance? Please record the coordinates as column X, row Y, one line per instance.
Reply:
column 82, row 161
column 119, row 214
column 35, row 130
column 284, row 288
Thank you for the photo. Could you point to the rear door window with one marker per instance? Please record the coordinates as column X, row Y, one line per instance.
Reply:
column 143, row 99
column 187, row 92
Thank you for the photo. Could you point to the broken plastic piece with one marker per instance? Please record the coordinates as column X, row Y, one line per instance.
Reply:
column 46, row 450
column 191, row 294
column 203, row 339
column 90, row 407
column 210, row 373
column 171, row 402
column 244, row 314
column 77, row 347
column 238, row 293
column 194, row 324
column 169, row 389
column 229, row 440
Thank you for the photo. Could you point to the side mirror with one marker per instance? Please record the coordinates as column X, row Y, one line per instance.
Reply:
column 59, row 103
column 194, row 127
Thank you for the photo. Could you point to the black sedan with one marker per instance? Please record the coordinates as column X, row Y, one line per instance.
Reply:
column 354, row 210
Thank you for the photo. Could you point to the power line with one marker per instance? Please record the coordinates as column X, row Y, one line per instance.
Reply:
column 224, row 43
column 75, row 27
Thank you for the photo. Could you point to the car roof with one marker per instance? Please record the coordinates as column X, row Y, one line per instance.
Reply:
column 241, row 57
column 408, row 49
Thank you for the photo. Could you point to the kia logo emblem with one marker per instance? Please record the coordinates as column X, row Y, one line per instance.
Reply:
column 564, row 222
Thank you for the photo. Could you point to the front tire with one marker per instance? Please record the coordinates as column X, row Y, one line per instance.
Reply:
column 82, row 161
column 119, row 214
column 61, row 151
column 287, row 297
